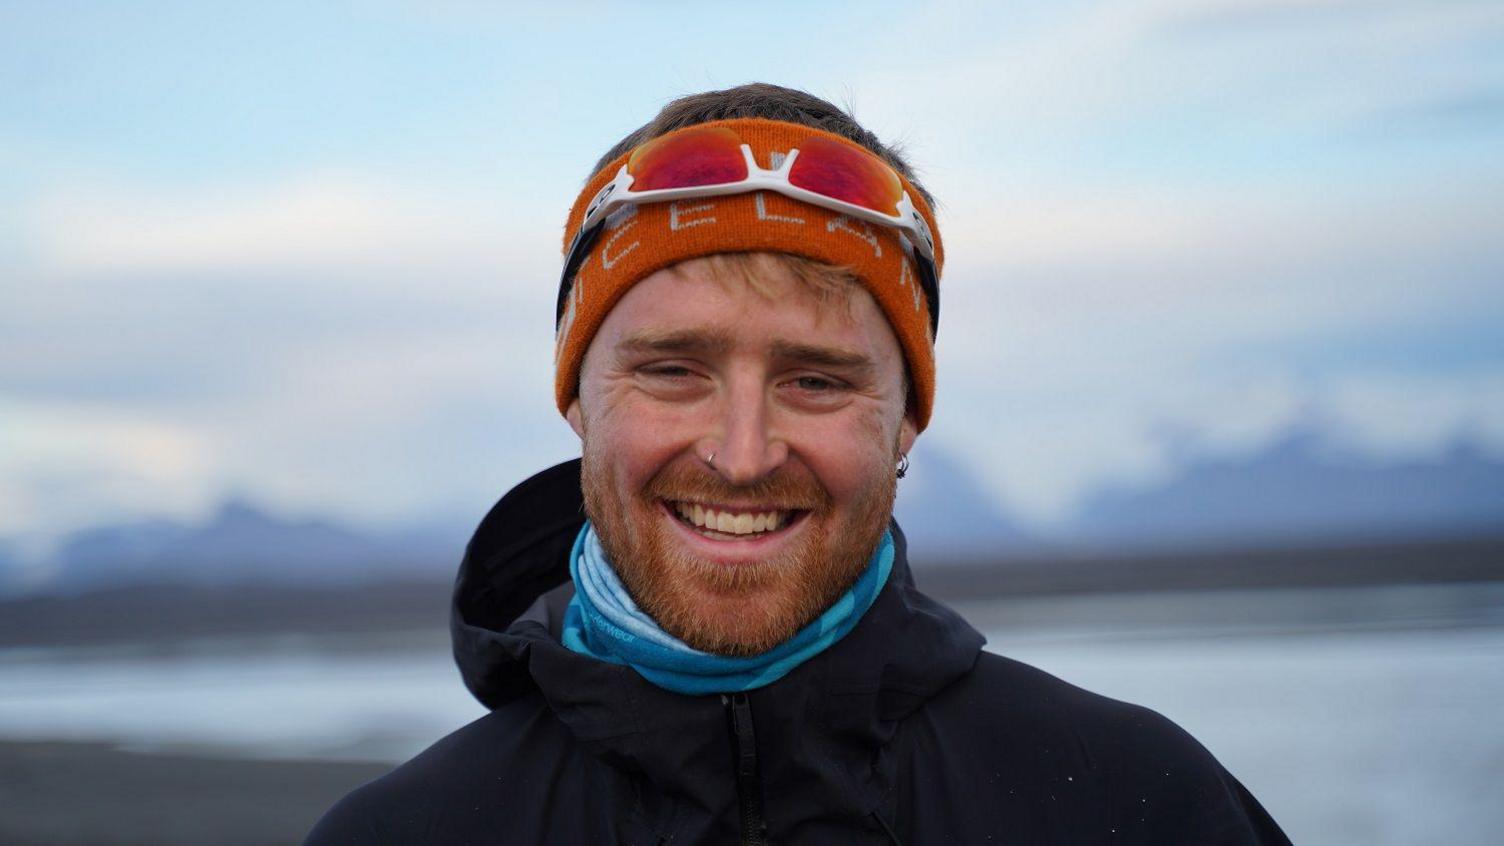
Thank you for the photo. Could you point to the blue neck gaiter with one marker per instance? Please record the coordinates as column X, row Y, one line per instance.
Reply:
column 603, row 622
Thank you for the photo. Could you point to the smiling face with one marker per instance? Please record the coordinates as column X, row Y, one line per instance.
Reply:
column 799, row 397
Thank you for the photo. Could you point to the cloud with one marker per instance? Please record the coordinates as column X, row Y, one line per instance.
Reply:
column 367, row 427
column 328, row 342
column 1377, row 412
column 1189, row 90
column 1467, row 107
column 1158, row 216
column 177, row 296
column 341, row 222
column 62, row 465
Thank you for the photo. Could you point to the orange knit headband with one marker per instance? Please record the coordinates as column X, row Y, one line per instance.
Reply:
column 639, row 240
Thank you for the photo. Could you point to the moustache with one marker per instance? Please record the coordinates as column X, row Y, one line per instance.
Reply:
column 789, row 488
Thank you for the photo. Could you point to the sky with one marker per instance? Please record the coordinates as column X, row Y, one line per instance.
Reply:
column 306, row 254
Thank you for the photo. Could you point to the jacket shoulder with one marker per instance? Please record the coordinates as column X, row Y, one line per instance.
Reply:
column 458, row 787
column 1157, row 783
column 1001, row 688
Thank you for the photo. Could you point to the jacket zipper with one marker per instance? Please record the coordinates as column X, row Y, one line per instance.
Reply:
column 748, row 791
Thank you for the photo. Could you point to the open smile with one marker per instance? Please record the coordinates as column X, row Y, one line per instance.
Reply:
column 731, row 523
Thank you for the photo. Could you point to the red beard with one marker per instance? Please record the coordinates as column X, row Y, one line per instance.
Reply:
column 733, row 610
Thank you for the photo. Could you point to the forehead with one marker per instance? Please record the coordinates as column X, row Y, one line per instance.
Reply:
column 778, row 310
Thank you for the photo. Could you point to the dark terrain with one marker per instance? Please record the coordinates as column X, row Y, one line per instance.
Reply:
column 90, row 794
column 174, row 611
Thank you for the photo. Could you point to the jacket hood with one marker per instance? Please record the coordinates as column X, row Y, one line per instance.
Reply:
column 520, row 553
column 842, row 705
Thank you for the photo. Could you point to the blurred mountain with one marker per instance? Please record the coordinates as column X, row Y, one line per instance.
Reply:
column 112, row 554
column 243, row 544
column 11, row 574
column 945, row 514
column 1298, row 491
column 1302, row 489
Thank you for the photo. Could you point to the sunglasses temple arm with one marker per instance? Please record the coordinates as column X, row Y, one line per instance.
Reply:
column 930, row 284
column 578, row 250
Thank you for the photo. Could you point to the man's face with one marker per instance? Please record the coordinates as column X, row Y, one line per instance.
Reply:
column 801, row 401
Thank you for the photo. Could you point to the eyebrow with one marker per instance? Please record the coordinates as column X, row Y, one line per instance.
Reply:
column 822, row 356
column 719, row 342
column 680, row 341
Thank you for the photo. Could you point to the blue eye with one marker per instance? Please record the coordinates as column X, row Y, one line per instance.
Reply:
column 815, row 383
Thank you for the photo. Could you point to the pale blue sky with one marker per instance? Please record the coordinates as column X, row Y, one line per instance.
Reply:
column 306, row 252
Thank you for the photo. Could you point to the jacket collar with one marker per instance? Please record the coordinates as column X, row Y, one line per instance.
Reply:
column 844, row 702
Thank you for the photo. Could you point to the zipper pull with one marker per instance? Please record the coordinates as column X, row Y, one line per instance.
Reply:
column 748, row 790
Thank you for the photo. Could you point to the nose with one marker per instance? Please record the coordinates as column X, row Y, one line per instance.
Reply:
column 747, row 448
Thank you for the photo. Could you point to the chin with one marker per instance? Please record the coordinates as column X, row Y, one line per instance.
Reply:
column 744, row 607
column 738, row 625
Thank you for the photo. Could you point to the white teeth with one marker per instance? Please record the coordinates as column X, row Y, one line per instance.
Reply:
column 730, row 523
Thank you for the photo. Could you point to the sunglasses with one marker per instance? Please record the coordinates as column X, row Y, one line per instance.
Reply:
column 713, row 161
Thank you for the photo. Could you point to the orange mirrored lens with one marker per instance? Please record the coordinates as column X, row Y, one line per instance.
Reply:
column 832, row 169
column 689, row 157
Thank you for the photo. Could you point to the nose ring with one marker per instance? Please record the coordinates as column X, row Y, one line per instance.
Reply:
column 710, row 459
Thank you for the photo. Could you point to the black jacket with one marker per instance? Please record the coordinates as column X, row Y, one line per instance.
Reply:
column 905, row 731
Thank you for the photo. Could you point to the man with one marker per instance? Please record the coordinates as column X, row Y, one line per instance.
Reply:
column 706, row 630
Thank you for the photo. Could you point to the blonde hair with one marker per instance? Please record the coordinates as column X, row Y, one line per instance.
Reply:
column 828, row 282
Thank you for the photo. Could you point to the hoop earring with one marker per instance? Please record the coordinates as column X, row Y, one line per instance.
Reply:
column 903, row 465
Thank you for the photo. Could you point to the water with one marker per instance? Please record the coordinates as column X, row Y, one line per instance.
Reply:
column 1357, row 717
column 295, row 698
column 1360, row 738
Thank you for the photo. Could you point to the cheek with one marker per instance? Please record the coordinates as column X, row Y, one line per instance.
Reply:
column 849, row 457
column 636, row 441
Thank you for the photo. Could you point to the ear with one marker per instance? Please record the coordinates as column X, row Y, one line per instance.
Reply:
column 576, row 422
column 908, row 431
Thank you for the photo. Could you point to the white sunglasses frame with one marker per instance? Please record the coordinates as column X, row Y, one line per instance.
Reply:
column 618, row 192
